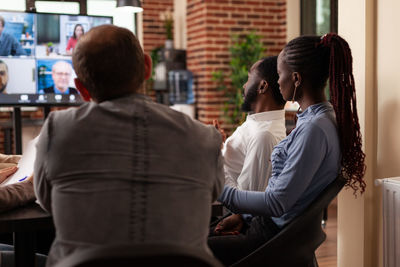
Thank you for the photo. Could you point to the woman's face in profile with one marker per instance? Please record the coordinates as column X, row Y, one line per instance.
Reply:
column 78, row 32
column 286, row 84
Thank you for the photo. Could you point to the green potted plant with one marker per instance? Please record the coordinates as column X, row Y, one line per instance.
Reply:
column 167, row 18
column 49, row 48
column 154, row 54
column 244, row 51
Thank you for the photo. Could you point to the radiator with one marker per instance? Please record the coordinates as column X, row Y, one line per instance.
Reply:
column 391, row 221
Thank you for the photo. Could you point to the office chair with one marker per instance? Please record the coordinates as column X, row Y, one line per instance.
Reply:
column 295, row 244
column 147, row 255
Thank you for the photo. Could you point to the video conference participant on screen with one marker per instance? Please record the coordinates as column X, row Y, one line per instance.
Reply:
column 78, row 32
column 3, row 77
column 61, row 73
column 8, row 44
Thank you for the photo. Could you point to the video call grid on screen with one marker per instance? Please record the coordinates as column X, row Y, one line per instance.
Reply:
column 35, row 57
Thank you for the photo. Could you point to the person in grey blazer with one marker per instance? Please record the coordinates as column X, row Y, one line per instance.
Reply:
column 121, row 168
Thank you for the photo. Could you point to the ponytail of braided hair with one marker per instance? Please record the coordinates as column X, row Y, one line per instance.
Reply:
column 330, row 57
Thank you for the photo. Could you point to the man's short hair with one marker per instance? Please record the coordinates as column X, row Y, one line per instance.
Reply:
column 109, row 62
column 2, row 21
column 267, row 70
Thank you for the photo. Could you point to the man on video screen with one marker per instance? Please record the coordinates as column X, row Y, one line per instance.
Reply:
column 61, row 73
column 3, row 77
column 9, row 46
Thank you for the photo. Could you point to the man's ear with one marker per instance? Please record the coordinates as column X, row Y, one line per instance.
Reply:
column 296, row 78
column 82, row 89
column 147, row 66
column 262, row 87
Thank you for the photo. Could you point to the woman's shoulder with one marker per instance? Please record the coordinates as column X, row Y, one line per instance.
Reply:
column 315, row 127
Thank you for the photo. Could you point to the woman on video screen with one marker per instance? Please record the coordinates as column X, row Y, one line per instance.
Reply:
column 78, row 32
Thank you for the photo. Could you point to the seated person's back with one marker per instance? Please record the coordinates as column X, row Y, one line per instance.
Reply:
column 125, row 169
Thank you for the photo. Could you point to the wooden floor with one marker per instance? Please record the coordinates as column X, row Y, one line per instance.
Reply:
column 327, row 252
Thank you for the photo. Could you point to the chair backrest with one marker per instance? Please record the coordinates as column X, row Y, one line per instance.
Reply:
column 148, row 255
column 295, row 244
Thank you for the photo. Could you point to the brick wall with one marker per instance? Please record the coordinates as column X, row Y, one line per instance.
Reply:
column 210, row 25
column 6, row 123
column 153, row 28
column 5, row 118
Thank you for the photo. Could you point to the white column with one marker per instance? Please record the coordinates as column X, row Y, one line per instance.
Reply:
column 357, row 217
column 293, row 21
column 180, row 35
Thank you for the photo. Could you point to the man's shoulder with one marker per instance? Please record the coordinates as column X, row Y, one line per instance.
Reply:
column 48, row 90
column 262, row 138
column 257, row 130
column 7, row 36
column 73, row 91
column 182, row 123
column 161, row 116
column 70, row 113
column 165, row 112
column 9, row 39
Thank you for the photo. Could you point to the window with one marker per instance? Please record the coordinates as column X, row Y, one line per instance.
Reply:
column 15, row 5
column 94, row 7
column 318, row 16
column 57, row 7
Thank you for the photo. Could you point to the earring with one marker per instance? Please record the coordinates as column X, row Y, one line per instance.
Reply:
column 294, row 94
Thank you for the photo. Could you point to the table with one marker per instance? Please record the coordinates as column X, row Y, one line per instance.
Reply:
column 24, row 222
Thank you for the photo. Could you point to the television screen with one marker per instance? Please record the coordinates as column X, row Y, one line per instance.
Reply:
column 35, row 57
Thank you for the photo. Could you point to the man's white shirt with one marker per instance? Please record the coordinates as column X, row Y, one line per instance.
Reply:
column 247, row 151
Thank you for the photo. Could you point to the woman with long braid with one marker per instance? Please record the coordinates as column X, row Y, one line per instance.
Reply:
column 326, row 142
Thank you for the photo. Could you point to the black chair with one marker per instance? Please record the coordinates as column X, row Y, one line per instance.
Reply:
column 295, row 245
column 148, row 255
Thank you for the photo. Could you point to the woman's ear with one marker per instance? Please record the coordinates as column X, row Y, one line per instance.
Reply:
column 297, row 79
column 262, row 87
column 147, row 66
column 82, row 89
